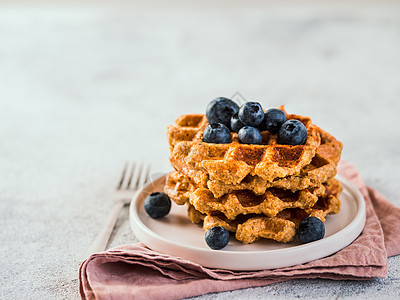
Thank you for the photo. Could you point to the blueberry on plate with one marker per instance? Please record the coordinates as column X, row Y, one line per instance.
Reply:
column 292, row 132
column 251, row 114
column 221, row 110
column 249, row 135
column 310, row 229
column 157, row 205
column 273, row 119
column 217, row 237
column 236, row 124
column 217, row 133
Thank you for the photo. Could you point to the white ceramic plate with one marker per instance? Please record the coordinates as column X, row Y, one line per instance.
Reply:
column 176, row 235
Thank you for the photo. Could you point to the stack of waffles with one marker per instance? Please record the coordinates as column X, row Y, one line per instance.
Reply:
column 255, row 191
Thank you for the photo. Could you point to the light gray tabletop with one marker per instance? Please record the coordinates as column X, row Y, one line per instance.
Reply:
column 86, row 87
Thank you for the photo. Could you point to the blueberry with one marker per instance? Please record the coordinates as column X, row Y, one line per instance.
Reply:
column 292, row 132
column 273, row 119
column 310, row 229
column 220, row 110
column 250, row 135
column 217, row 237
column 217, row 133
column 236, row 124
column 157, row 205
column 251, row 113
column 261, row 127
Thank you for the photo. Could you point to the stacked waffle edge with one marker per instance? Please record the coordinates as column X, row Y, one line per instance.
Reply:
column 255, row 191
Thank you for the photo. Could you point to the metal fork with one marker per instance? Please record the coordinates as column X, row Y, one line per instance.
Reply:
column 133, row 177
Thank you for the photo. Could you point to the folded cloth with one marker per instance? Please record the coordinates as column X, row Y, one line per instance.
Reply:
column 136, row 272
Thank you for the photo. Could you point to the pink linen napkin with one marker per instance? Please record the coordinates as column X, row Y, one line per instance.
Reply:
column 136, row 272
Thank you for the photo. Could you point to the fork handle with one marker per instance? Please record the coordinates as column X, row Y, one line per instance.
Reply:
column 102, row 239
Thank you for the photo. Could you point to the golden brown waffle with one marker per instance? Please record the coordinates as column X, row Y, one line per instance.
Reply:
column 245, row 202
column 281, row 228
column 322, row 167
column 178, row 187
column 233, row 162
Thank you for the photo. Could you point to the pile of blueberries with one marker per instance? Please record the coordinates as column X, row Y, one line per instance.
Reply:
column 225, row 116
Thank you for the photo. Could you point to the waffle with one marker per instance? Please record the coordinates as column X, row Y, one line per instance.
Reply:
column 245, row 202
column 322, row 167
column 181, row 190
column 233, row 162
column 178, row 187
column 281, row 228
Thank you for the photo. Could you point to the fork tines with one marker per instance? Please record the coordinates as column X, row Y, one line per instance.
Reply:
column 134, row 175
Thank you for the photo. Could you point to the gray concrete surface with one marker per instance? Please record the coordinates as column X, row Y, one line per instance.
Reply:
column 85, row 87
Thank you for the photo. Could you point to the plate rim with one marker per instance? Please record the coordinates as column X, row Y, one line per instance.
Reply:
column 360, row 217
